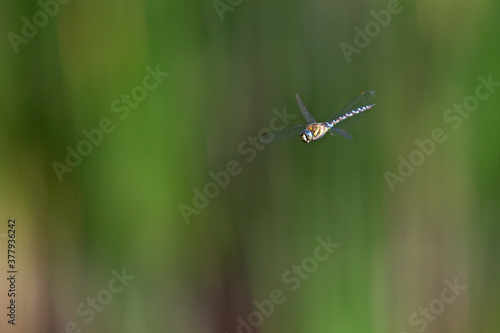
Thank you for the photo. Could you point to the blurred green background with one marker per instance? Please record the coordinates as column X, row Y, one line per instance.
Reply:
column 230, row 64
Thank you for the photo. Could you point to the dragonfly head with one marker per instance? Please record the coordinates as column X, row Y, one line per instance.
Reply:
column 306, row 135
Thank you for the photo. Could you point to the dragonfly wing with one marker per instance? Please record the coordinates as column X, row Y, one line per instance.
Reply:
column 346, row 135
column 282, row 135
column 309, row 118
column 347, row 118
column 364, row 99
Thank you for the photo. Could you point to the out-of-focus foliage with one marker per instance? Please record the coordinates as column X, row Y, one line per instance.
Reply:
column 89, row 78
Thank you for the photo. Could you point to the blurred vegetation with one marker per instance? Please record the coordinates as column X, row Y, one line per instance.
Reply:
column 120, row 206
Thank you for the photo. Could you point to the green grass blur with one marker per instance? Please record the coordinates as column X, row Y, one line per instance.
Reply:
column 120, row 207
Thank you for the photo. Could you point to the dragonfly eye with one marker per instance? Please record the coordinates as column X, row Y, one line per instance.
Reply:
column 306, row 136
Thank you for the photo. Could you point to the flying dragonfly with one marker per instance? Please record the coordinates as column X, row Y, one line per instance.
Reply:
column 313, row 130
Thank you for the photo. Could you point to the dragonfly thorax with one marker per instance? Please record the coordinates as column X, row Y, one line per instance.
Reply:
column 313, row 132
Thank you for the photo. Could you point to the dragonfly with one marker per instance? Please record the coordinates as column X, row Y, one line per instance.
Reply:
column 337, row 124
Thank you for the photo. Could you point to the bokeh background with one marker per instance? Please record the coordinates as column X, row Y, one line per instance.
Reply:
column 119, row 210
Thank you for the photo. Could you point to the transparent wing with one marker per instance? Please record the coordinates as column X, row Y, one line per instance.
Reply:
column 309, row 118
column 282, row 135
column 346, row 135
column 364, row 99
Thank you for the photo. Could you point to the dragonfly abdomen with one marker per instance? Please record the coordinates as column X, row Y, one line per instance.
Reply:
column 349, row 114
